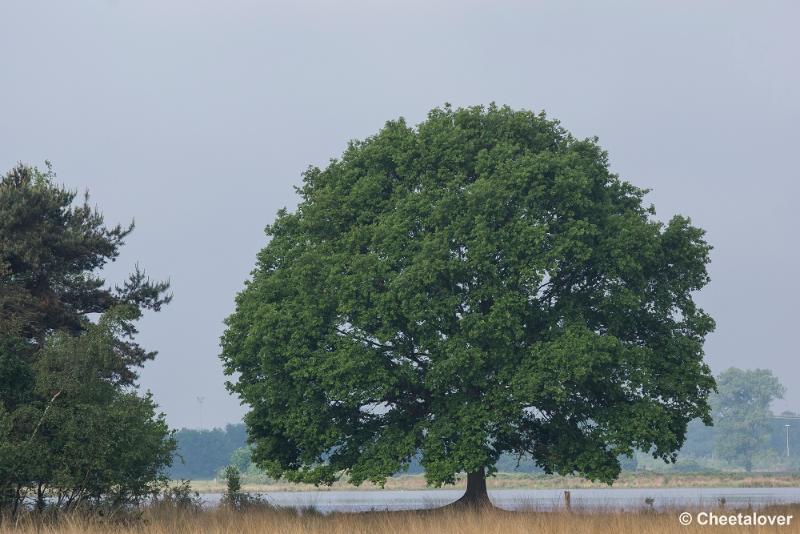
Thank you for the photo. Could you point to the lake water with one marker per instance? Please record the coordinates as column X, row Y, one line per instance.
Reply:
column 541, row 499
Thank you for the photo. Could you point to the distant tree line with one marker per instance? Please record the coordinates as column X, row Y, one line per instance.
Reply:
column 201, row 453
column 746, row 435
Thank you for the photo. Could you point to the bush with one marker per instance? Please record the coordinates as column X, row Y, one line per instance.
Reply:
column 180, row 497
column 235, row 498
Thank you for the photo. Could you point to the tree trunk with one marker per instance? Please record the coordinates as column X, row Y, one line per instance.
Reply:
column 40, row 498
column 17, row 500
column 476, row 495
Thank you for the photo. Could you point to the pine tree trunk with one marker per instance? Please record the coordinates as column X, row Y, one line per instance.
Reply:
column 476, row 495
column 40, row 498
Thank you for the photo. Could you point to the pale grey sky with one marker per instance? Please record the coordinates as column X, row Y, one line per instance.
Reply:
column 197, row 117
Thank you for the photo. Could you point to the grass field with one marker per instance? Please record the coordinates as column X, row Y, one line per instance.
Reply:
column 165, row 519
column 536, row 481
column 223, row 521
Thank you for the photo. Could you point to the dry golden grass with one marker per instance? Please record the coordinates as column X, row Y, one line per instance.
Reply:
column 528, row 481
column 222, row 521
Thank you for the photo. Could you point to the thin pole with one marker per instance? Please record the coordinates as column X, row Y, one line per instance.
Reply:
column 200, row 402
column 787, row 440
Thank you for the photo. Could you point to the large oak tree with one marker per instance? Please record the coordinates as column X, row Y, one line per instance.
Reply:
column 478, row 284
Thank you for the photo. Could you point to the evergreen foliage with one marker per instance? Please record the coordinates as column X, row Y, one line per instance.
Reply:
column 72, row 426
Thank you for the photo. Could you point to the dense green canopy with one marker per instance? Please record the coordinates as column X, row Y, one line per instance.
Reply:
column 72, row 425
column 478, row 284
